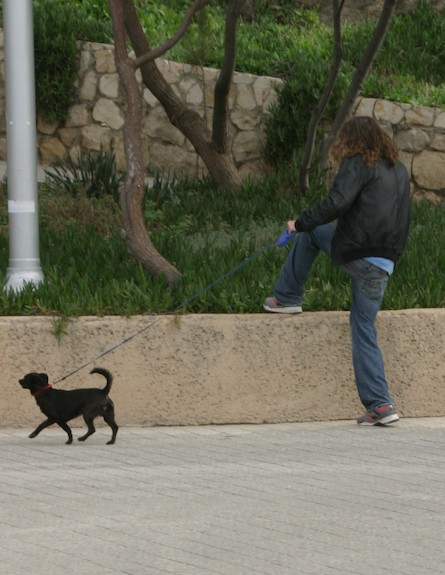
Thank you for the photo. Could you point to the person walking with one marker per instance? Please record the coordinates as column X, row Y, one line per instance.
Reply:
column 363, row 226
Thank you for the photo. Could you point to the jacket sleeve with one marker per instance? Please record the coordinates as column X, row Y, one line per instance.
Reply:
column 347, row 185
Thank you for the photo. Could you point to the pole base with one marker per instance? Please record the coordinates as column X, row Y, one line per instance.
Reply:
column 19, row 279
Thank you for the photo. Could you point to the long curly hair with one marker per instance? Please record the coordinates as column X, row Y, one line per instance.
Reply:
column 363, row 135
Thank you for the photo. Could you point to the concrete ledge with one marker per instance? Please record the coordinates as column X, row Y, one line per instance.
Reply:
column 202, row 369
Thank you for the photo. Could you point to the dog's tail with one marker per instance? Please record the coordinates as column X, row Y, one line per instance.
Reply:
column 107, row 375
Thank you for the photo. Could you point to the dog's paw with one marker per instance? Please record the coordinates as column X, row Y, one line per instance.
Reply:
column 32, row 435
column 70, row 440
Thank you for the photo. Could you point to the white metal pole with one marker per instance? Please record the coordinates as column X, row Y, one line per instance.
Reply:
column 24, row 262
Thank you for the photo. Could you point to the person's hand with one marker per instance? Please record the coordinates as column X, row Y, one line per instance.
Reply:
column 291, row 226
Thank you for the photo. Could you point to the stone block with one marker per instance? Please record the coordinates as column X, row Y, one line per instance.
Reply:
column 246, row 146
column 109, row 86
column 195, row 95
column 391, row 112
column 420, row 116
column 88, row 86
column 438, row 142
column 107, row 113
column 69, row 136
column 52, row 151
column 170, row 160
column 79, row 115
column 45, row 127
column 157, row 126
column 245, row 121
column 412, row 139
column 365, row 107
column 104, row 58
column 428, row 170
column 86, row 58
column 95, row 137
column 440, row 120
column 245, row 98
column 149, row 98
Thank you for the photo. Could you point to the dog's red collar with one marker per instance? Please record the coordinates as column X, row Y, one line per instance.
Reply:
column 38, row 392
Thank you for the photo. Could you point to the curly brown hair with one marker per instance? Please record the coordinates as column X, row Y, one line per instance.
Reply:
column 363, row 135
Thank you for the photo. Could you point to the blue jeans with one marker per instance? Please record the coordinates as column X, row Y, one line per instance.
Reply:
column 368, row 287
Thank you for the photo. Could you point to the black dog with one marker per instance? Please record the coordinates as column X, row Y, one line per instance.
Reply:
column 61, row 406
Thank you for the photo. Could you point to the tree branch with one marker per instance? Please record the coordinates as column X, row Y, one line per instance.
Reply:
column 224, row 81
column 319, row 110
column 361, row 73
column 160, row 50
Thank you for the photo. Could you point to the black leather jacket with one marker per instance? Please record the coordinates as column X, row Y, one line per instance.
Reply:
column 372, row 206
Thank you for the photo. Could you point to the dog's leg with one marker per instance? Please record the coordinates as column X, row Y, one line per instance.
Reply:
column 109, row 418
column 51, row 421
column 42, row 426
column 66, row 428
column 91, row 429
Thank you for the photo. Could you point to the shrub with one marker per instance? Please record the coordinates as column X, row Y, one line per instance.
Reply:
column 286, row 128
column 94, row 174
column 58, row 25
column 408, row 68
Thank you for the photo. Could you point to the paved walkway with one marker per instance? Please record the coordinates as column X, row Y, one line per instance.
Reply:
column 298, row 499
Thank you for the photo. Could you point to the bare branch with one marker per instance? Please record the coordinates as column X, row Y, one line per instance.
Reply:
column 361, row 72
column 224, row 81
column 160, row 50
column 340, row 8
column 319, row 110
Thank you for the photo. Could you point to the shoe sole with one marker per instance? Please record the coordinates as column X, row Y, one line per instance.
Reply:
column 384, row 421
column 285, row 309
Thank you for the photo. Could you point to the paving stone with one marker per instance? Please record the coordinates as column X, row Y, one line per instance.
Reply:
column 297, row 499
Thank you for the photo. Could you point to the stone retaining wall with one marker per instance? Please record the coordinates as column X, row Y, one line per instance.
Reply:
column 420, row 135
column 98, row 116
column 215, row 369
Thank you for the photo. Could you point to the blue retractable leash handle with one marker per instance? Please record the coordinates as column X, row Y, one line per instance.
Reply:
column 284, row 238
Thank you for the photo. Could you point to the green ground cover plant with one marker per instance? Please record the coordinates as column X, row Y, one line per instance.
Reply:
column 274, row 39
column 206, row 233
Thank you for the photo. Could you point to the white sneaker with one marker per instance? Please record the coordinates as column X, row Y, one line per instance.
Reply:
column 273, row 305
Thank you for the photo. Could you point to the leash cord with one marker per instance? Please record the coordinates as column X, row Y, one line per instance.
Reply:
column 181, row 305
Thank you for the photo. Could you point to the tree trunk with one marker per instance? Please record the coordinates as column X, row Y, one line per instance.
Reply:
column 224, row 81
column 317, row 113
column 132, row 189
column 360, row 73
column 220, row 165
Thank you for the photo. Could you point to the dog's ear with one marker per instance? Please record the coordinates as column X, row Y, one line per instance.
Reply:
column 42, row 378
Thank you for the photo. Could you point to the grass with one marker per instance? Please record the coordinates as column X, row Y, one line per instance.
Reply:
column 206, row 233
